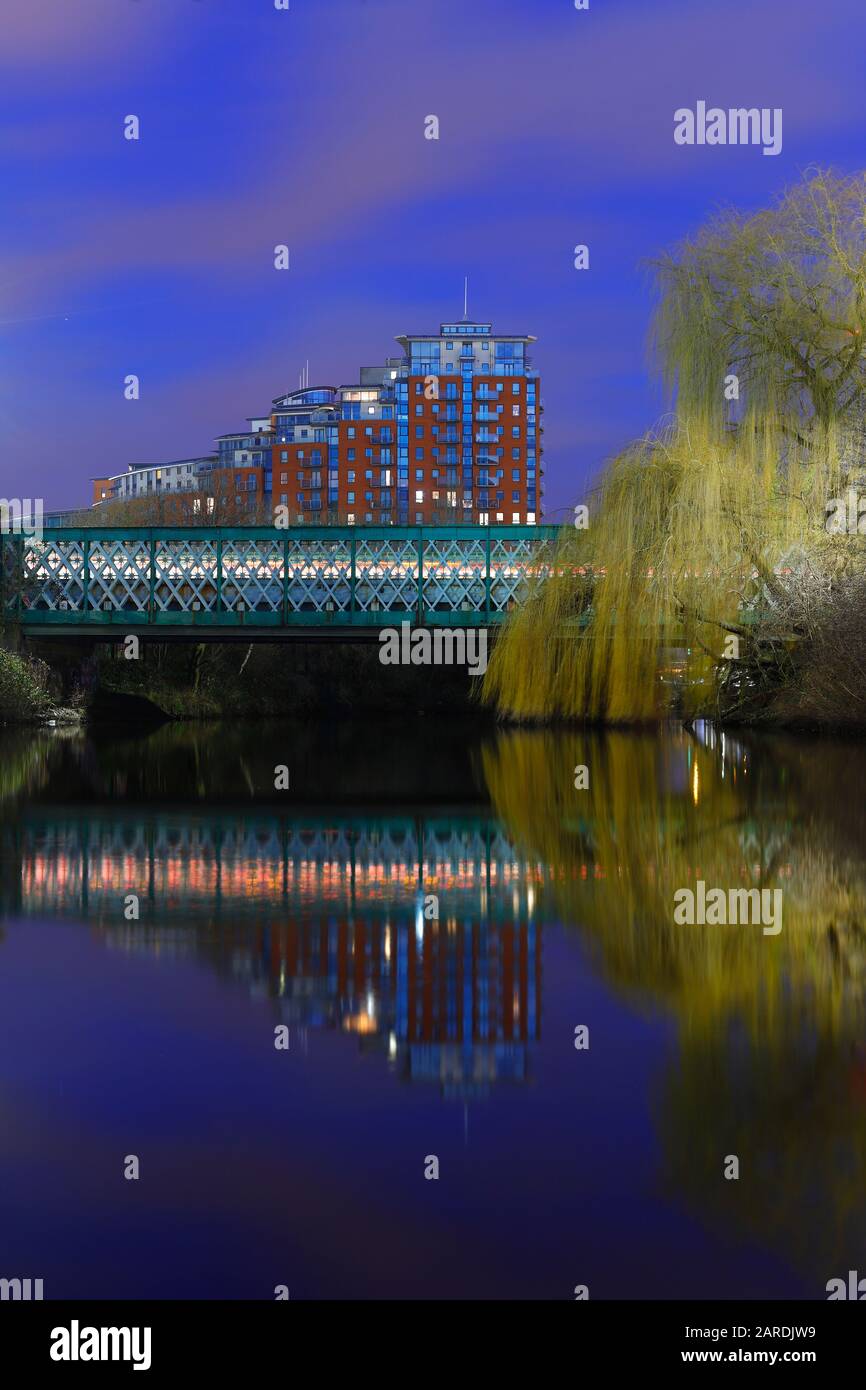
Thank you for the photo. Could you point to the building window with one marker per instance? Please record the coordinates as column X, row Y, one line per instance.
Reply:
column 284, row 477
column 419, row 494
column 515, row 518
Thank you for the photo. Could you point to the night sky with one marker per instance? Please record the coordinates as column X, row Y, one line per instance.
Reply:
column 258, row 127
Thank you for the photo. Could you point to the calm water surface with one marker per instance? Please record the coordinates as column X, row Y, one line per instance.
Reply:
column 410, row 1036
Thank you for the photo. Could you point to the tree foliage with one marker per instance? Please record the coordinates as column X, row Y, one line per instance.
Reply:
column 701, row 530
column 777, row 298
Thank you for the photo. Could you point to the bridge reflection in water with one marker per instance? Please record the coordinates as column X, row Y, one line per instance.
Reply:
column 327, row 918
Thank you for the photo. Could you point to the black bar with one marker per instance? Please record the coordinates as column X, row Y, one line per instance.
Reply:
column 227, row 1338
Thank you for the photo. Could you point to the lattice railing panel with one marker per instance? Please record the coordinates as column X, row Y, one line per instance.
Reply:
column 252, row 575
column 454, row 574
column 386, row 574
column 185, row 578
column 513, row 563
column 52, row 576
column 119, row 576
column 319, row 575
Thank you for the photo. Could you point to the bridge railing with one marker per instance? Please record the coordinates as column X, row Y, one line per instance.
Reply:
column 260, row 576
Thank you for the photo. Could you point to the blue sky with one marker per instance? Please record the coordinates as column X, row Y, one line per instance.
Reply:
column 307, row 127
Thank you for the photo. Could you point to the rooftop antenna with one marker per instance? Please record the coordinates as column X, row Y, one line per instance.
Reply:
column 465, row 296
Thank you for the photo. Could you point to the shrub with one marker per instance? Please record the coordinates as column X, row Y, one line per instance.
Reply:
column 23, row 687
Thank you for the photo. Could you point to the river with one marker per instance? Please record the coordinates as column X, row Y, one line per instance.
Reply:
column 286, row 1004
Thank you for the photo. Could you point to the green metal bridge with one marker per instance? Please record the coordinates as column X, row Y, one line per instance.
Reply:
column 250, row 581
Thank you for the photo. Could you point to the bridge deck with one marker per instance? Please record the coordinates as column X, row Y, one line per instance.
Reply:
column 255, row 580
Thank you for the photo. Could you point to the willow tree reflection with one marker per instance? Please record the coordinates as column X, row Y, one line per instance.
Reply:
column 771, row 1061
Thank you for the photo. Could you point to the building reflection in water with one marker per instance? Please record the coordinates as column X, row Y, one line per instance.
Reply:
column 328, row 919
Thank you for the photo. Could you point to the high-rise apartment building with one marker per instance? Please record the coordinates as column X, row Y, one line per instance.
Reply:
column 467, row 426
column 447, row 434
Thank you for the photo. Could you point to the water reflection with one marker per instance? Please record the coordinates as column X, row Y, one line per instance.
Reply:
column 771, row 1059
column 416, row 933
column 331, row 919
column 317, row 902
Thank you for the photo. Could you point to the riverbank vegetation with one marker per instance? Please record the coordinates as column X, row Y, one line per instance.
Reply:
column 288, row 679
column 25, row 688
column 724, row 562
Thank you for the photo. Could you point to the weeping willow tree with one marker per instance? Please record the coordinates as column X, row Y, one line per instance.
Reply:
column 700, row 532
